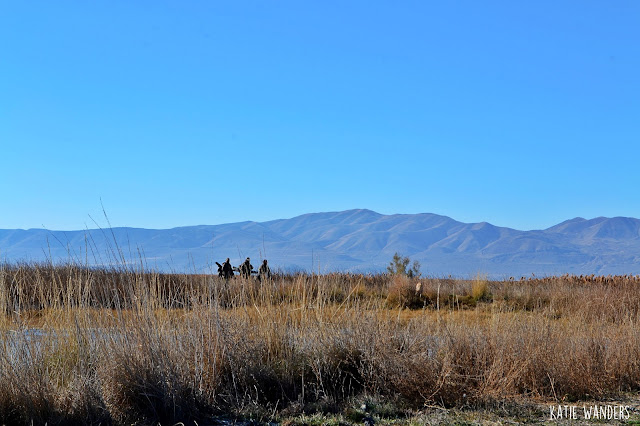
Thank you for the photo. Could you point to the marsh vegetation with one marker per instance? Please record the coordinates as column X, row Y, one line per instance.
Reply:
column 121, row 346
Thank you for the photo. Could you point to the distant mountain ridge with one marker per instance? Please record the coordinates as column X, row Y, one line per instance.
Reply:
column 351, row 240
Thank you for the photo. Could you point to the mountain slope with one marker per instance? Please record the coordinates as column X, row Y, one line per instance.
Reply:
column 357, row 240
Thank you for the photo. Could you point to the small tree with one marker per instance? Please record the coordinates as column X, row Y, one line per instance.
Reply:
column 399, row 265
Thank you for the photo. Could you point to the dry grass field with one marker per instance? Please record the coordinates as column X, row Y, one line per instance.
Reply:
column 123, row 346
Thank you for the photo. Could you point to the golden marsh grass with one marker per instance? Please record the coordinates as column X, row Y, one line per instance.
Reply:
column 119, row 346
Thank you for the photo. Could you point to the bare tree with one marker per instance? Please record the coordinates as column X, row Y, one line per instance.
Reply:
column 399, row 265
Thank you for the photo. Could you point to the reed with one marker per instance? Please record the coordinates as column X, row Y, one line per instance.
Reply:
column 121, row 346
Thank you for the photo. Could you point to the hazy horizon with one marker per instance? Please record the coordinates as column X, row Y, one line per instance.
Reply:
column 98, row 224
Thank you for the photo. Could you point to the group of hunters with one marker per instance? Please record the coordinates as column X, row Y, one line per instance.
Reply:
column 245, row 269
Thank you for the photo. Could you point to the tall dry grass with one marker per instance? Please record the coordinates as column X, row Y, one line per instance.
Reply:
column 120, row 346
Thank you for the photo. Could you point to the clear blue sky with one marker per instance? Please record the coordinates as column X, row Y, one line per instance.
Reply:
column 522, row 114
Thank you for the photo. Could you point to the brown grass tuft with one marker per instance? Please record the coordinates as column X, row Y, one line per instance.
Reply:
column 104, row 346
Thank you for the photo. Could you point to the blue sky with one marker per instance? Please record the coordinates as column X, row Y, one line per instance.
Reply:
column 522, row 114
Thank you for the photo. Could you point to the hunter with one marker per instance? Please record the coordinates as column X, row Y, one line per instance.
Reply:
column 264, row 273
column 226, row 270
column 246, row 268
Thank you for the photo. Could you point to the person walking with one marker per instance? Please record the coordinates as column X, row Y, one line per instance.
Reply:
column 264, row 273
column 246, row 268
column 227, row 270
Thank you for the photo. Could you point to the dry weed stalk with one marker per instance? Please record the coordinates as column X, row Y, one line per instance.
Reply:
column 121, row 346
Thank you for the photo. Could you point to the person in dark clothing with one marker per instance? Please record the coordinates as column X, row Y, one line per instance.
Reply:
column 246, row 268
column 264, row 273
column 226, row 270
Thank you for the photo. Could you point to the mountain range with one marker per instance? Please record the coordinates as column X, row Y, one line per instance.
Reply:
column 352, row 240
